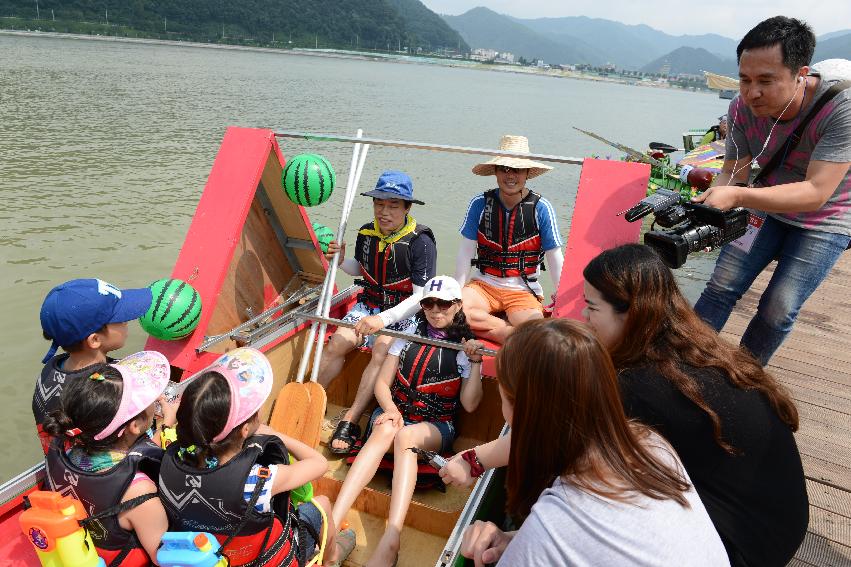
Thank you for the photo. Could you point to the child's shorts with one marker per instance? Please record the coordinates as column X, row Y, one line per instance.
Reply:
column 446, row 429
column 309, row 514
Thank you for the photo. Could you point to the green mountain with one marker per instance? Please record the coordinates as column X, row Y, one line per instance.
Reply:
column 835, row 47
column 693, row 61
column 628, row 46
column 427, row 28
column 484, row 28
column 370, row 24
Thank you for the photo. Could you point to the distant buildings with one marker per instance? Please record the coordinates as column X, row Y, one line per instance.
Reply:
column 493, row 56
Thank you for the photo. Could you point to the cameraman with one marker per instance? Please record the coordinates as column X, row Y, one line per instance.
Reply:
column 806, row 195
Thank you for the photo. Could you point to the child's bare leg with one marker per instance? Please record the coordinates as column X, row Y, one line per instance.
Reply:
column 363, row 469
column 330, row 528
column 423, row 436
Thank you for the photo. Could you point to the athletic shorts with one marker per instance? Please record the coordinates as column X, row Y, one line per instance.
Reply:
column 308, row 513
column 361, row 310
column 506, row 300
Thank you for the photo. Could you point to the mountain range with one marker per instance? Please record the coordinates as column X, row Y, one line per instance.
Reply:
column 596, row 41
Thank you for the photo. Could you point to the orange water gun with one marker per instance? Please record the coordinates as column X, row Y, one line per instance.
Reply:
column 52, row 524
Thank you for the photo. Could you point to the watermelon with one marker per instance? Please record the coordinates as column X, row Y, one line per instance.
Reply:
column 174, row 312
column 308, row 180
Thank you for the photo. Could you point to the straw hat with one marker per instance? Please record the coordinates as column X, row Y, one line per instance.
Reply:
column 514, row 144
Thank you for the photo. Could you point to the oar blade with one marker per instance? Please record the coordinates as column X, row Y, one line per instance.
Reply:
column 291, row 408
column 314, row 414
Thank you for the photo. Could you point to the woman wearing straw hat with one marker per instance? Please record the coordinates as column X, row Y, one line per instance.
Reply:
column 507, row 233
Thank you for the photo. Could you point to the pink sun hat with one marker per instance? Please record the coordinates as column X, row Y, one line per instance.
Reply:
column 145, row 376
column 249, row 377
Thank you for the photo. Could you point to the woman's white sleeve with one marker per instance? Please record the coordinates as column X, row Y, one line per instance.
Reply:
column 404, row 310
column 351, row 267
column 466, row 252
column 555, row 262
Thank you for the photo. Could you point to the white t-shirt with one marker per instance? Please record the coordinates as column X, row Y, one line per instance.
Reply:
column 569, row 526
column 461, row 359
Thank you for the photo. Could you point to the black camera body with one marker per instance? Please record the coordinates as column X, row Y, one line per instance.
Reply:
column 691, row 226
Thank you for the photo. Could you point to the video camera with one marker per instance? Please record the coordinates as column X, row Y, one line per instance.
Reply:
column 692, row 226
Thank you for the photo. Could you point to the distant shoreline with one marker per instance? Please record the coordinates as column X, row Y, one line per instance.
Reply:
column 356, row 55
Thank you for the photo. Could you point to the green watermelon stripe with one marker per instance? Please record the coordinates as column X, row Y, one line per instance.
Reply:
column 160, row 299
column 287, row 171
column 306, row 189
column 321, row 183
column 188, row 310
column 187, row 327
column 172, row 298
column 295, row 182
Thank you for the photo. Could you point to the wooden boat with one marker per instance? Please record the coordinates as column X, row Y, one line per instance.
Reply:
column 252, row 255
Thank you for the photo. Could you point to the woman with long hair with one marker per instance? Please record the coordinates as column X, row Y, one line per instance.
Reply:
column 729, row 420
column 590, row 487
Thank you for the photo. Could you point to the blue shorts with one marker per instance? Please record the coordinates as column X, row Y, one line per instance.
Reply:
column 309, row 514
column 361, row 310
column 446, row 429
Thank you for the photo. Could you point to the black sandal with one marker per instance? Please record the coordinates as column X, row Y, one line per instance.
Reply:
column 348, row 432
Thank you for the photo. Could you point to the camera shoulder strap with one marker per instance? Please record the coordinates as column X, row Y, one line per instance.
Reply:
column 795, row 136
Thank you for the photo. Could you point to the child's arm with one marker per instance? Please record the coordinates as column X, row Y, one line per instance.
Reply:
column 148, row 519
column 309, row 465
column 471, row 390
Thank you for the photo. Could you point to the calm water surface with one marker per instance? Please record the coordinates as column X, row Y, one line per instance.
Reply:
column 105, row 148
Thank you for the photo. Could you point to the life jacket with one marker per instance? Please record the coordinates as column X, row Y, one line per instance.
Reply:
column 48, row 392
column 386, row 270
column 427, row 385
column 212, row 500
column 512, row 248
column 99, row 491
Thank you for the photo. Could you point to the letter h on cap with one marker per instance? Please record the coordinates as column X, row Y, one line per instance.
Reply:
column 435, row 285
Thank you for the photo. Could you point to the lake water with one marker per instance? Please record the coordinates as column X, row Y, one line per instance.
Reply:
column 105, row 148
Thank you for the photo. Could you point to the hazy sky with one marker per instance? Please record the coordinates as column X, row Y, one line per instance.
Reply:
column 731, row 18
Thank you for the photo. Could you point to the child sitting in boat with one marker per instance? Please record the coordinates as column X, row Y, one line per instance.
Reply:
column 419, row 389
column 230, row 475
column 88, row 319
column 111, row 464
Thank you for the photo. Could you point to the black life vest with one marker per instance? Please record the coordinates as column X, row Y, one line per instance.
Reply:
column 48, row 391
column 509, row 248
column 212, row 500
column 386, row 275
column 99, row 491
column 427, row 385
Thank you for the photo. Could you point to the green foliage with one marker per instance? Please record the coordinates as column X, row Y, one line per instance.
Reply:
column 426, row 29
column 369, row 24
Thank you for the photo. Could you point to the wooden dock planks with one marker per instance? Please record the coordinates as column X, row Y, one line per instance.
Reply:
column 815, row 364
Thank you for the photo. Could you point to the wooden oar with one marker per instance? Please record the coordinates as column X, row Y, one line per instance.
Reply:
column 300, row 407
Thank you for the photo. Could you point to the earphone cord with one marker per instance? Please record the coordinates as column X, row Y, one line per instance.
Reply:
column 770, row 132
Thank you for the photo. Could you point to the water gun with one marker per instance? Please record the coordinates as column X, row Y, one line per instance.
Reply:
column 190, row 549
column 303, row 493
column 51, row 522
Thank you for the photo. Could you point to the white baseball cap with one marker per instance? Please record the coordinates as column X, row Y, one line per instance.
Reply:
column 442, row 287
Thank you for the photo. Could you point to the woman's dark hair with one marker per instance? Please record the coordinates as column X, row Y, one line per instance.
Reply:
column 458, row 329
column 88, row 405
column 796, row 39
column 201, row 416
column 565, row 394
column 663, row 330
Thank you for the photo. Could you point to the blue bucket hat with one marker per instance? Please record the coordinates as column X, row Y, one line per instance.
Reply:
column 75, row 309
column 394, row 185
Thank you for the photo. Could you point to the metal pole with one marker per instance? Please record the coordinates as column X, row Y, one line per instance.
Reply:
column 394, row 334
column 424, row 146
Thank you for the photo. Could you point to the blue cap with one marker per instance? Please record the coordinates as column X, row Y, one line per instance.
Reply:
column 394, row 185
column 74, row 310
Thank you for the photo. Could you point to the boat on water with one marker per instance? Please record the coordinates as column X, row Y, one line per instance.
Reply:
column 254, row 258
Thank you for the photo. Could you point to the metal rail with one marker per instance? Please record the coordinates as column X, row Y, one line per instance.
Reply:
column 394, row 334
column 424, row 146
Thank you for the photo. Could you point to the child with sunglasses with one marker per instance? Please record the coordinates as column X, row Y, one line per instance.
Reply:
column 419, row 389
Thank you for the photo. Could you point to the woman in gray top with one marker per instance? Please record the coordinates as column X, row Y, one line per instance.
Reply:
column 590, row 487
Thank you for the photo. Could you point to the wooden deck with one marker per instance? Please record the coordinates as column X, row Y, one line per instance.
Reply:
column 815, row 364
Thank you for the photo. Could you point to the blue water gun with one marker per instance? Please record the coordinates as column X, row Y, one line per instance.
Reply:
column 190, row 549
